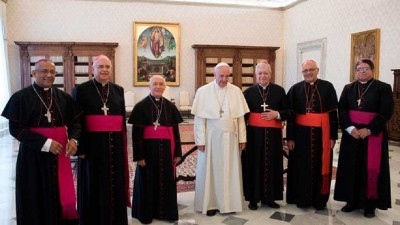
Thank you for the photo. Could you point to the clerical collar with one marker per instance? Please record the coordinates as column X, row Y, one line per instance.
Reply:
column 312, row 83
column 40, row 88
column 154, row 98
column 100, row 83
column 364, row 82
column 263, row 86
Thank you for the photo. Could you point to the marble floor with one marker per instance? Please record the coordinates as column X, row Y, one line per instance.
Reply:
column 287, row 214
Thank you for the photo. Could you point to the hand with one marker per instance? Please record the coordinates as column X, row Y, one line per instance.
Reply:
column 333, row 142
column 290, row 144
column 269, row 114
column 142, row 163
column 355, row 133
column 201, row 147
column 242, row 146
column 364, row 132
column 71, row 148
column 55, row 147
column 177, row 159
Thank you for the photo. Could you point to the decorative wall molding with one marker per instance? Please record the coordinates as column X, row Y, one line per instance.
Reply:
column 319, row 47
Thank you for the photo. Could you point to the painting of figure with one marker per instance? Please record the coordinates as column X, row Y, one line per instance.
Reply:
column 365, row 45
column 162, row 39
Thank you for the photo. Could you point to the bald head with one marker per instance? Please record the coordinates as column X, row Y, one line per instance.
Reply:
column 102, row 68
column 310, row 70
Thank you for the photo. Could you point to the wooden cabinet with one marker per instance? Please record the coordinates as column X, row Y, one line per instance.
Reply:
column 242, row 60
column 394, row 122
column 73, row 60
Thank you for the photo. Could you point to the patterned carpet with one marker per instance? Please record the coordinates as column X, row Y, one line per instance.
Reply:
column 186, row 170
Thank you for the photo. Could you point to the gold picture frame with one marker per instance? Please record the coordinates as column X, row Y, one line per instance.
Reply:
column 365, row 45
column 156, row 52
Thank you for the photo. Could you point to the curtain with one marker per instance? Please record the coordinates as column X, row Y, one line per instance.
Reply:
column 5, row 83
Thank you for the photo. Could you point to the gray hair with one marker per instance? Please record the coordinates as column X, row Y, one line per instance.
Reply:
column 152, row 78
column 262, row 66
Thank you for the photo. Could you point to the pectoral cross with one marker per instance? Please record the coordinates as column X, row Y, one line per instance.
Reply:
column 308, row 109
column 105, row 109
column 48, row 115
column 264, row 106
column 156, row 124
column 220, row 112
column 359, row 102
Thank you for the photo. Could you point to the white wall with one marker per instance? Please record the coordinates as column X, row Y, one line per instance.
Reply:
column 73, row 20
column 336, row 20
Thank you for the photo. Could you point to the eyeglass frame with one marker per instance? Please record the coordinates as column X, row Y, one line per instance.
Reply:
column 363, row 69
column 309, row 70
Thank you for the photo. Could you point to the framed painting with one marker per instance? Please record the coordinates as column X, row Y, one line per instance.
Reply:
column 156, row 52
column 365, row 45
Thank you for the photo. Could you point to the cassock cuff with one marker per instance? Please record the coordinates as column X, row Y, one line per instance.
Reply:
column 46, row 146
column 350, row 129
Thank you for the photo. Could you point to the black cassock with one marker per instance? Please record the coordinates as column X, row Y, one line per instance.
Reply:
column 262, row 161
column 37, row 193
column 101, row 183
column 304, row 179
column 154, row 191
column 351, row 179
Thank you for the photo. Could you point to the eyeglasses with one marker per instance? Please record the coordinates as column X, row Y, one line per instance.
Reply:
column 103, row 67
column 363, row 69
column 45, row 72
column 309, row 70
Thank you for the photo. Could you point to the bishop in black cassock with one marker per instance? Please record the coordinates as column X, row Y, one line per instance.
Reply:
column 363, row 179
column 310, row 163
column 103, row 193
column 37, row 191
column 262, row 161
column 156, row 148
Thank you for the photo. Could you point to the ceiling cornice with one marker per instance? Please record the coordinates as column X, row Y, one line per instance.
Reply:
column 255, row 4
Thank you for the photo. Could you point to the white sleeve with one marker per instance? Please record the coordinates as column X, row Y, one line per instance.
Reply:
column 242, row 130
column 46, row 146
column 199, row 130
column 350, row 129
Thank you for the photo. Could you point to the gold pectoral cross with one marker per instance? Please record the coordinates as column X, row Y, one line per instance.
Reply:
column 104, row 108
column 359, row 102
column 48, row 115
column 220, row 112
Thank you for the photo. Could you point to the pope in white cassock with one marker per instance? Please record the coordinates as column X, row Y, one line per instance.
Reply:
column 220, row 135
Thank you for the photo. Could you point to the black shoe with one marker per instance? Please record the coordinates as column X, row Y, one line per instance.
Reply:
column 146, row 221
column 273, row 205
column 348, row 208
column 253, row 206
column 369, row 213
column 211, row 212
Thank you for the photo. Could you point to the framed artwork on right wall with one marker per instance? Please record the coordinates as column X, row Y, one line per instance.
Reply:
column 365, row 45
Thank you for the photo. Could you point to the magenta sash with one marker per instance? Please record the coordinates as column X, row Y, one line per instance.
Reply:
column 65, row 179
column 162, row 132
column 112, row 123
column 103, row 123
column 374, row 151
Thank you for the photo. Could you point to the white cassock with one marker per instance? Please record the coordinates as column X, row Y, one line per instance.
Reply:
column 219, row 170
